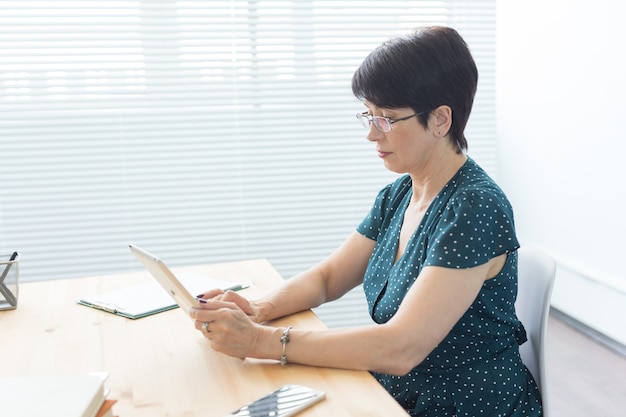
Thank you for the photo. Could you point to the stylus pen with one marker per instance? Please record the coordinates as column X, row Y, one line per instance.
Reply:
column 237, row 287
column 103, row 307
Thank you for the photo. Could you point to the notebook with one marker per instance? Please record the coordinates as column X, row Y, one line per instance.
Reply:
column 52, row 396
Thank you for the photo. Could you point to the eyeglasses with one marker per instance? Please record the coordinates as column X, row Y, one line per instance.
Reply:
column 381, row 123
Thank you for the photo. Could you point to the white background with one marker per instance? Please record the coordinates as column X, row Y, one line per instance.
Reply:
column 561, row 99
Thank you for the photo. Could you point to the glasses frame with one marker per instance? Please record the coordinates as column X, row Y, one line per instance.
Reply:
column 371, row 119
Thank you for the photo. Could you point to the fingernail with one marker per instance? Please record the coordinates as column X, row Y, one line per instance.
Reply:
column 200, row 296
column 202, row 300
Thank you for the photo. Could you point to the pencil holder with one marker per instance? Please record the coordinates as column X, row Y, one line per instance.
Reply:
column 9, row 277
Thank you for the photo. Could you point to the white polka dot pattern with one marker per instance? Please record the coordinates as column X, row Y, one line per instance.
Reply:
column 476, row 370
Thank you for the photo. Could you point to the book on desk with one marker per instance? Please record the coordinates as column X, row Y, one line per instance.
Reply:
column 55, row 396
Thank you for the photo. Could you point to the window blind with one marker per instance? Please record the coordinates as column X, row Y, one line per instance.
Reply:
column 203, row 131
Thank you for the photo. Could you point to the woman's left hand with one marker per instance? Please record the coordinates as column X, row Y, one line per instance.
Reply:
column 230, row 330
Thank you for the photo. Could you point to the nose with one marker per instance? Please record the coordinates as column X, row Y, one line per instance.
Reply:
column 374, row 134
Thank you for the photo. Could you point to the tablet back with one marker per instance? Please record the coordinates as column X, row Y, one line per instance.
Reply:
column 166, row 278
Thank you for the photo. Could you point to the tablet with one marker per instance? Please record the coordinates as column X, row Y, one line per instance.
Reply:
column 166, row 278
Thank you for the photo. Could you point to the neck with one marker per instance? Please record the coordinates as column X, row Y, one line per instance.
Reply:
column 427, row 184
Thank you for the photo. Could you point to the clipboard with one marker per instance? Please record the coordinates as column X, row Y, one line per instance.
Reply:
column 133, row 302
column 150, row 298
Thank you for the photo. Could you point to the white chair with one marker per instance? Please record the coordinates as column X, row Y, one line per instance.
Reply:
column 536, row 275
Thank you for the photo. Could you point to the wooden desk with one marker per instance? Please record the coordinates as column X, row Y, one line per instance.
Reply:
column 160, row 365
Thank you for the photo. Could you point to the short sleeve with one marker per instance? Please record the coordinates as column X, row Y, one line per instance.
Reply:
column 475, row 226
column 371, row 225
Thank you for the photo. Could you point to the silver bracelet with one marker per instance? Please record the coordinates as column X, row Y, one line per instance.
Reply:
column 284, row 339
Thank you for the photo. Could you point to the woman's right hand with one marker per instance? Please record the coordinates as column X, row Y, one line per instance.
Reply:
column 251, row 308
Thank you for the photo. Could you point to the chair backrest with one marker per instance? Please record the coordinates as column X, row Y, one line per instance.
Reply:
column 536, row 275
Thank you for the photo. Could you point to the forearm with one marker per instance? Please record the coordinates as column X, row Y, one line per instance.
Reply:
column 299, row 293
column 326, row 281
column 372, row 348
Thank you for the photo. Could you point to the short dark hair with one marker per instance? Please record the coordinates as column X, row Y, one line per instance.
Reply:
column 423, row 70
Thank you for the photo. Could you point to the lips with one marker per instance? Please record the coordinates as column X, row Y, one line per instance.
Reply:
column 382, row 154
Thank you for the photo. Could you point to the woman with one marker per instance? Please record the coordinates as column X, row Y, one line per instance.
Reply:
column 436, row 255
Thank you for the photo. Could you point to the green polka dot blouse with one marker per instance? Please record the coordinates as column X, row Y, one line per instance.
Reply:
column 476, row 370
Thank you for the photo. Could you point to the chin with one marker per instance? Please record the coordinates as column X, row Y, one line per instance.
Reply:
column 395, row 169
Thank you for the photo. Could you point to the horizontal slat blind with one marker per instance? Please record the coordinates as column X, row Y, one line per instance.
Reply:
column 204, row 131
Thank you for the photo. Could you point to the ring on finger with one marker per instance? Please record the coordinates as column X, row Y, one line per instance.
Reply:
column 205, row 327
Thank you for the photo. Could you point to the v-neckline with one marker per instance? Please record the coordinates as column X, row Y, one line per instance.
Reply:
column 405, row 203
column 397, row 254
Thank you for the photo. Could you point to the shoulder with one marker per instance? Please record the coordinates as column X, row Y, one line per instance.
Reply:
column 473, row 223
column 473, row 189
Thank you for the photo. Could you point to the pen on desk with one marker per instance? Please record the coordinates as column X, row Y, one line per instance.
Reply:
column 103, row 307
column 237, row 287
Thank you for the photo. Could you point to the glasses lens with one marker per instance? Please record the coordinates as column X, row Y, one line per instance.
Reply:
column 364, row 119
column 382, row 124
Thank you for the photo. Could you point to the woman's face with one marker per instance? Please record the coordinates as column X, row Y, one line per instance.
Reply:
column 407, row 147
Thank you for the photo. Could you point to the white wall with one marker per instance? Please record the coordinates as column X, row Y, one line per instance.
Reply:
column 561, row 111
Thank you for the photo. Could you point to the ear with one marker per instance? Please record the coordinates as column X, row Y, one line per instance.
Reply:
column 441, row 121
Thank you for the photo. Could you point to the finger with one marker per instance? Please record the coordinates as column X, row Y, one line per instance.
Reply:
column 202, row 314
column 198, row 324
column 205, row 327
column 232, row 296
column 210, row 293
column 238, row 300
column 216, row 304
